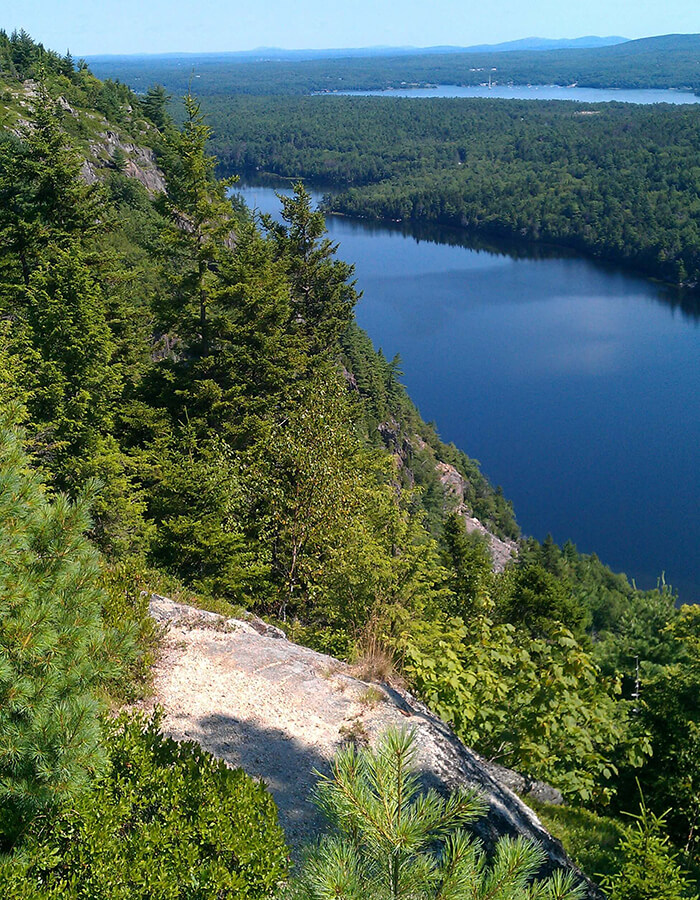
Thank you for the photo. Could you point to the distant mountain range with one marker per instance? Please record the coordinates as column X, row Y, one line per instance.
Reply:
column 280, row 54
column 665, row 61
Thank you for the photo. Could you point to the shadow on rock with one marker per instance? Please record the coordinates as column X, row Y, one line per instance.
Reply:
column 283, row 763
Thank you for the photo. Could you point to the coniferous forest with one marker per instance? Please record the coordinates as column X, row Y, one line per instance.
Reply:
column 189, row 407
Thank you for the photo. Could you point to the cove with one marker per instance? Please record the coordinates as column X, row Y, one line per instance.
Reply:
column 575, row 384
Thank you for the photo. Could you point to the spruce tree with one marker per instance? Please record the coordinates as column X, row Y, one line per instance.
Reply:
column 321, row 288
column 43, row 198
column 199, row 234
column 650, row 870
column 51, row 642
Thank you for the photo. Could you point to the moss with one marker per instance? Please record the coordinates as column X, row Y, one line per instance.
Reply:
column 591, row 840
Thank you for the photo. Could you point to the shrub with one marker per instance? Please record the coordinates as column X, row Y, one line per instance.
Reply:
column 166, row 822
column 650, row 870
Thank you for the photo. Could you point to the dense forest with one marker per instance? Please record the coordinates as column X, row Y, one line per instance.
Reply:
column 612, row 180
column 669, row 61
column 189, row 406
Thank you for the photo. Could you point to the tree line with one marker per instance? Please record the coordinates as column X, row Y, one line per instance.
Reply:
column 668, row 61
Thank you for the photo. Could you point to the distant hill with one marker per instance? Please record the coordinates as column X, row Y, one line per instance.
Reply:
column 666, row 61
column 536, row 44
column 262, row 54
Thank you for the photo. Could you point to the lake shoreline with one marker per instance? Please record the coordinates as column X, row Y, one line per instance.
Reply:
column 564, row 374
column 689, row 290
column 578, row 92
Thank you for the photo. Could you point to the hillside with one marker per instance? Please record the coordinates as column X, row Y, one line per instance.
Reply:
column 187, row 406
column 586, row 176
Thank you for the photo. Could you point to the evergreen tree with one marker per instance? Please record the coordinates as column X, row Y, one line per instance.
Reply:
column 392, row 841
column 650, row 870
column 52, row 644
column 323, row 295
column 467, row 558
column 200, row 232
column 43, row 199
column 155, row 106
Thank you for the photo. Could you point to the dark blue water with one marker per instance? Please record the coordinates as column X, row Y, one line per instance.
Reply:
column 576, row 385
column 538, row 92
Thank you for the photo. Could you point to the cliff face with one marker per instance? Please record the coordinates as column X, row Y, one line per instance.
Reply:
column 454, row 483
column 139, row 162
column 99, row 140
column 279, row 710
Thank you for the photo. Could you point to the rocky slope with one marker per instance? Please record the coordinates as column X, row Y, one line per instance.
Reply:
column 100, row 141
column 279, row 710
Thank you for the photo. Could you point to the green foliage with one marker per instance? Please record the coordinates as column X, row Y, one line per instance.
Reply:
column 658, row 62
column 539, row 704
column 126, row 587
column 322, row 294
column 467, row 558
column 391, row 419
column 534, row 599
column 391, row 840
column 592, row 841
column 75, row 383
column 166, row 821
column 650, row 870
column 43, row 199
column 198, row 505
column 252, row 443
column 201, row 220
column 517, row 169
column 22, row 58
column 670, row 711
column 54, row 651
column 155, row 106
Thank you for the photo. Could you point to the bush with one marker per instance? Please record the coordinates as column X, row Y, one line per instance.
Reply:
column 166, row 822
column 650, row 870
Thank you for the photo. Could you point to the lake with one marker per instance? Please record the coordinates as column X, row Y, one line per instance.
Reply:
column 537, row 92
column 575, row 384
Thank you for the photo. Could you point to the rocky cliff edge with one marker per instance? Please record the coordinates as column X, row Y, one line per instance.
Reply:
column 280, row 711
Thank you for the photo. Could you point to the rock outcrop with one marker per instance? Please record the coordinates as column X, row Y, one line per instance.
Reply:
column 454, row 485
column 279, row 710
column 139, row 162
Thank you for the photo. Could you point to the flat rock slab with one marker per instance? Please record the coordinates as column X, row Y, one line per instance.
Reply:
column 281, row 711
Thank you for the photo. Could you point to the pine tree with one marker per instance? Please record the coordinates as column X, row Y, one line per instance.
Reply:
column 391, row 841
column 51, row 642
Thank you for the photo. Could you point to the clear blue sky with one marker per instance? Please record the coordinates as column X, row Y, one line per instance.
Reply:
column 157, row 26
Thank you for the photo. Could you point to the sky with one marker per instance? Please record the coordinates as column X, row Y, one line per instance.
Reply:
column 90, row 27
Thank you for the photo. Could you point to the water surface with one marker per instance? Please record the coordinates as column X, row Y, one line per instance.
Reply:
column 575, row 384
column 537, row 92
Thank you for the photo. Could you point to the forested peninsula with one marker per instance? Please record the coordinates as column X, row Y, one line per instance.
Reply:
column 614, row 181
column 188, row 407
